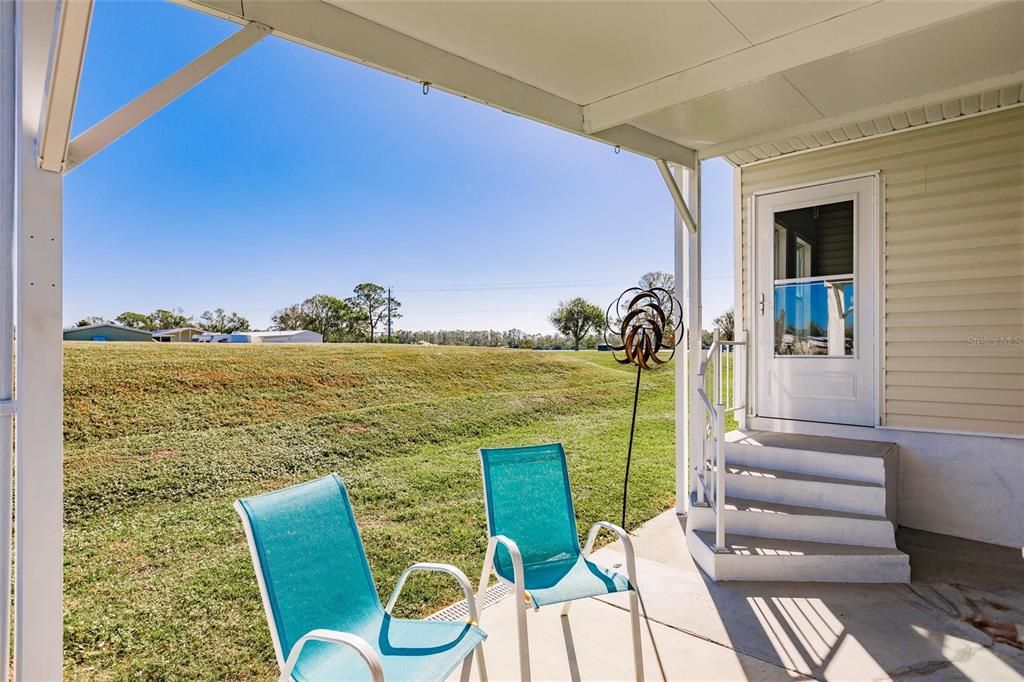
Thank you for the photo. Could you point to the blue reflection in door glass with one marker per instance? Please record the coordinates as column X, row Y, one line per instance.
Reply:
column 814, row 318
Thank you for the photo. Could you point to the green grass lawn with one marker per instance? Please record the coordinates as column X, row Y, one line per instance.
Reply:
column 160, row 439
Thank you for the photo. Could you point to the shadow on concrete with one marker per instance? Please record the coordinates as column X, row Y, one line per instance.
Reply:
column 941, row 625
column 949, row 628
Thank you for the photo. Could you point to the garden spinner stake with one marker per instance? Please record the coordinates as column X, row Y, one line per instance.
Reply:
column 645, row 325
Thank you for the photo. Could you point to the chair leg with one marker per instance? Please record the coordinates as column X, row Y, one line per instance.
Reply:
column 634, row 617
column 523, row 639
column 565, row 608
column 480, row 664
column 467, row 666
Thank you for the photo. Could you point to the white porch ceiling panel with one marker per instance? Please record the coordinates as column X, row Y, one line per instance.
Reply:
column 975, row 53
column 721, row 77
column 582, row 51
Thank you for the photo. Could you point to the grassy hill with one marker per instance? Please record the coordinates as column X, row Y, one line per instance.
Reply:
column 160, row 439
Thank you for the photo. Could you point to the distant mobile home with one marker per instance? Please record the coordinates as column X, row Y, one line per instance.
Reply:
column 287, row 336
column 107, row 331
column 178, row 335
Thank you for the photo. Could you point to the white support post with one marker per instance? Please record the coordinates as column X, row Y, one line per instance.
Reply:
column 8, row 135
column 695, row 416
column 38, row 619
column 689, row 412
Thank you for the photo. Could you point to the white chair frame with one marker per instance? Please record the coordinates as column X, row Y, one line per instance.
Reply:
column 522, row 603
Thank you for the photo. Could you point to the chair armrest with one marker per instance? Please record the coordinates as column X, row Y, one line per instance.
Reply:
column 513, row 550
column 518, row 574
column 459, row 576
column 627, row 545
column 334, row 637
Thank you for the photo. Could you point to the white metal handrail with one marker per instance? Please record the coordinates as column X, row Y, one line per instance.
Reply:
column 712, row 458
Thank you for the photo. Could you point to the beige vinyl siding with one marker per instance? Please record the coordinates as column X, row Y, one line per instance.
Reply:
column 953, row 263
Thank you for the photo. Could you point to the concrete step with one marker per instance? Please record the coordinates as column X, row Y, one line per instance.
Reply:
column 805, row 490
column 757, row 558
column 792, row 522
column 855, row 460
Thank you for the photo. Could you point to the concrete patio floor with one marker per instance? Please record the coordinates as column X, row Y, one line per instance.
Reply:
column 951, row 623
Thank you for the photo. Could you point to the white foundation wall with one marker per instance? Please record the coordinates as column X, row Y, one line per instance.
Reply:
column 967, row 486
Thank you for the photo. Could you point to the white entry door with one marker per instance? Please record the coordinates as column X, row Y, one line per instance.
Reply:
column 814, row 302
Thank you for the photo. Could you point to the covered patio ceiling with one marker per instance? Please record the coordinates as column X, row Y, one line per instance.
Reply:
column 683, row 80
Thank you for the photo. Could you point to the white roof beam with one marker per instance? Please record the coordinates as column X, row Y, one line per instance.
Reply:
column 855, row 29
column 98, row 137
column 71, row 33
column 330, row 29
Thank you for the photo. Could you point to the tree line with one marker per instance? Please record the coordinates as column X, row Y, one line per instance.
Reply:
column 355, row 318
column 217, row 320
column 367, row 314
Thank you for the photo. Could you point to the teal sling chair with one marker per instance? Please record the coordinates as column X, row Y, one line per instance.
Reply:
column 533, row 542
column 325, row 617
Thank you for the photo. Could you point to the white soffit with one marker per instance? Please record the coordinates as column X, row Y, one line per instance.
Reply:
column 933, row 74
column 664, row 78
column 934, row 59
column 582, row 51
column 776, row 145
column 761, row 20
column 767, row 104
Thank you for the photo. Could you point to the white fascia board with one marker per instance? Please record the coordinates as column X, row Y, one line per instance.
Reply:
column 330, row 29
column 160, row 95
column 858, row 28
column 71, row 34
column 864, row 115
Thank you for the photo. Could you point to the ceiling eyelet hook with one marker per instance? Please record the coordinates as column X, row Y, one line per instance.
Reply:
column 618, row 149
column 426, row 87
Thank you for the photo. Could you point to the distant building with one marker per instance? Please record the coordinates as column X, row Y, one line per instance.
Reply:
column 288, row 336
column 108, row 331
column 178, row 335
column 212, row 337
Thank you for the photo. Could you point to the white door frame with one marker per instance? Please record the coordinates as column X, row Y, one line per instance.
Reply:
column 877, row 282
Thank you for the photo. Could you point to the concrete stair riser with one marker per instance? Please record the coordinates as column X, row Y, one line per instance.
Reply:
column 826, row 527
column 837, row 465
column 824, row 567
column 837, row 496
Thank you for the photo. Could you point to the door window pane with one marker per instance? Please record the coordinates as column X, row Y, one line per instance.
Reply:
column 814, row 280
column 814, row 318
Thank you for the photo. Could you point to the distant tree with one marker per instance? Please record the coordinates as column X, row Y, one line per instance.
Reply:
column 325, row 315
column 135, row 321
column 168, row 319
column 726, row 325
column 576, row 318
column 292, row 317
column 222, row 322
column 372, row 300
column 657, row 278
column 514, row 338
column 334, row 319
column 89, row 321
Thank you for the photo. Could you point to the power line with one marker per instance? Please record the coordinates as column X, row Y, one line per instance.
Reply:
column 549, row 284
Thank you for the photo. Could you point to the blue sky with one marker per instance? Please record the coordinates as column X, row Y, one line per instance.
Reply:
column 290, row 172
